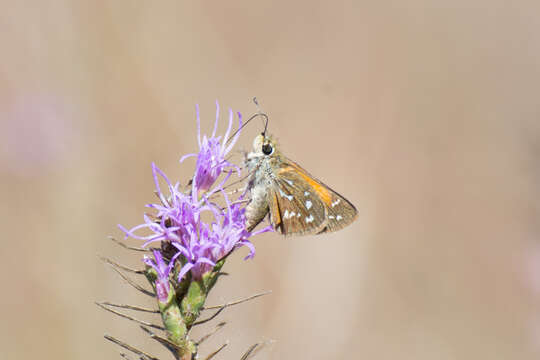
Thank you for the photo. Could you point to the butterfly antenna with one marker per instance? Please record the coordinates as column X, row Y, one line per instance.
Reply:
column 259, row 113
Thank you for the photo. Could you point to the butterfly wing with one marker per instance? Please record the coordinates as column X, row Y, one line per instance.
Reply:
column 299, row 204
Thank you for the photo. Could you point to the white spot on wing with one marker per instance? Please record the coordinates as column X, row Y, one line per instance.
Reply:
column 339, row 217
column 288, row 197
column 288, row 215
column 309, row 219
column 298, row 215
column 308, row 204
column 306, row 193
column 289, row 182
column 331, row 216
column 336, row 202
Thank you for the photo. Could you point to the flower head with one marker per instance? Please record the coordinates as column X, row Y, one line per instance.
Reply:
column 178, row 221
column 211, row 160
column 216, row 240
column 163, row 270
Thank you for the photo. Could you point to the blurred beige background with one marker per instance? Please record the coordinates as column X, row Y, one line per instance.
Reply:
column 425, row 114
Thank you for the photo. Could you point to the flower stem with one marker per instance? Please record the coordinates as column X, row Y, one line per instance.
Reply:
column 177, row 329
column 197, row 292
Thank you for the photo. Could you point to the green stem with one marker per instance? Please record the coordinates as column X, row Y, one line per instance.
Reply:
column 171, row 316
column 197, row 292
column 179, row 319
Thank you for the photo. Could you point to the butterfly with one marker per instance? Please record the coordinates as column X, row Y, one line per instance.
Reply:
column 298, row 203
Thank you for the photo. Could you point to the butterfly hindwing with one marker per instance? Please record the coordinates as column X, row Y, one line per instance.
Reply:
column 332, row 212
column 293, row 209
column 340, row 213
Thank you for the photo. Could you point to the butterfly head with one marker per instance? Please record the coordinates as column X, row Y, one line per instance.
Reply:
column 264, row 146
column 264, row 156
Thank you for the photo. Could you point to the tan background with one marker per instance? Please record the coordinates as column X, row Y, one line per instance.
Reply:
column 424, row 113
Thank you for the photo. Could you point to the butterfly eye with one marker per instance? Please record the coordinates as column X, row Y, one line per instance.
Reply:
column 267, row 149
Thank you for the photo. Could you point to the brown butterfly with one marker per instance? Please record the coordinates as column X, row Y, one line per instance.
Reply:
column 298, row 203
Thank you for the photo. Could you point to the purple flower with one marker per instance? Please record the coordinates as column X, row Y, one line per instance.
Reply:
column 163, row 270
column 175, row 215
column 179, row 217
column 208, row 243
column 212, row 151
